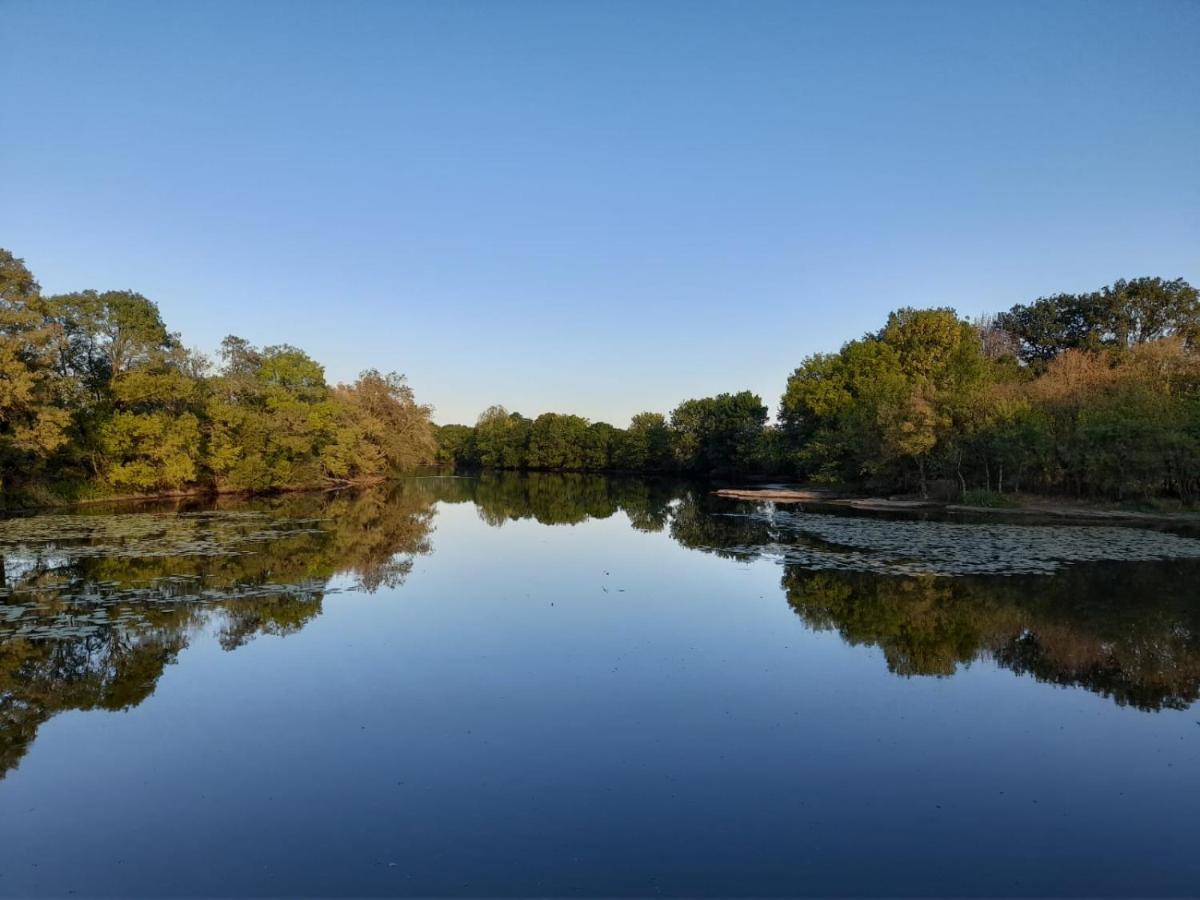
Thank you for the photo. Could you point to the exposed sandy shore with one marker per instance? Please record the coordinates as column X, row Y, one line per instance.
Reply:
column 1047, row 508
column 818, row 495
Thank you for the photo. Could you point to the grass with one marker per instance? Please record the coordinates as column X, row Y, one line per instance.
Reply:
column 989, row 499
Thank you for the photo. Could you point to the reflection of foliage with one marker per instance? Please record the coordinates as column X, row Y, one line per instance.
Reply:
column 557, row 498
column 917, row 622
column 1127, row 631
column 700, row 521
column 38, row 678
column 93, row 607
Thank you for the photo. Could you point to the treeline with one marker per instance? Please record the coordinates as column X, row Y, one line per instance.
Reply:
column 726, row 433
column 1091, row 394
column 98, row 397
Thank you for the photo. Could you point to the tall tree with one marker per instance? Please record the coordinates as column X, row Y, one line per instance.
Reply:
column 33, row 420
column 379, row 428
column 719, row 434
column 1119, row 316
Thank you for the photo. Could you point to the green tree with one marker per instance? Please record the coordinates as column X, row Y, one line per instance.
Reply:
column 556, row 442
column 1120, row 316
column 502, row 438
column 646, row 445
column 107, row 333
column 33, row 421
column 152, row 451
column 456, row 445
column 600, row 442
column 270, row 415
column 719, row 434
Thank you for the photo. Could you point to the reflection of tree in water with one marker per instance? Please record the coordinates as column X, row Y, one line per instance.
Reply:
column 109, row 670
column 701, row 521
column 96, row 632
column 80, row 631
column 559, row 498
column 1126, row 630
column 1129, row 631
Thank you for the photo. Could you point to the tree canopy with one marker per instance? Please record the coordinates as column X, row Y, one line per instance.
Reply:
column 98, row 397
column 1096, row 393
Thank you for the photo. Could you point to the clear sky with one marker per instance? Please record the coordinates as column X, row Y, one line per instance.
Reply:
column 593, row 207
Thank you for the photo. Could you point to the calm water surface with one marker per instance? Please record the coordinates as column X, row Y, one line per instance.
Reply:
column 564, row 685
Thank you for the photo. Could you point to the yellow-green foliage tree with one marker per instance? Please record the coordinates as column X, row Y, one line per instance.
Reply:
column 96, row 393
column 270, row 414
column 152, row 441
column 1095, row 394
column 33, row 417
column 378, row 427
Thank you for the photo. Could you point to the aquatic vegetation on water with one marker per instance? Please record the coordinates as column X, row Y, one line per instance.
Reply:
column 136, row 535
column 889, row 547
column 93, row 606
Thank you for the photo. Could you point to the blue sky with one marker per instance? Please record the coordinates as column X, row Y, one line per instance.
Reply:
column 593, row 207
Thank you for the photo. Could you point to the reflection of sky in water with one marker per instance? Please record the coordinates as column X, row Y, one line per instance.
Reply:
column 601, row 710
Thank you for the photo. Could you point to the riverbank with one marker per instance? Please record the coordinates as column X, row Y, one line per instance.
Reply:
column 1016, row 504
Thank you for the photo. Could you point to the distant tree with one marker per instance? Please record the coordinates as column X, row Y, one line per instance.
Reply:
column 996, row 343
column 456, row 445
column 646, row 445
column 722, row 433
column 502, row 438
column 599, row 444
column 556, row 442
column 1149, row 309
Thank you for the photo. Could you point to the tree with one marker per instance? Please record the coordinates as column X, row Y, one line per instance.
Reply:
column 1117, row 317
column 599, row 443
column 270, row 415
column 502, row 438
column 379, row 429
column 1150, row 309
column 33, row 421
column 721, row 433
column 456, row 445
column 153, row 451
column 107, row 333
column 556, row 442
column 910, row 431
column 645, row 446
